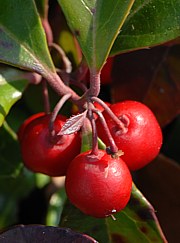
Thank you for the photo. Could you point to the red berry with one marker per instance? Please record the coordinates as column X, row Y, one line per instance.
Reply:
column 26, row 122
column 43, row 154
column 142, row 141
column 98, row 185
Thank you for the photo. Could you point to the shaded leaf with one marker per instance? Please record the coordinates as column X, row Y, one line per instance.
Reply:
column 23, row 42
column 136, row 223
column 134, row 72
column 73, row 124
column 152, row 77
column 12, row 189
column 96, row 25
column 163, row 96
column 40, row 233
column 10, row 160
column 149, row 23
column 160, row 183
column 12, row 84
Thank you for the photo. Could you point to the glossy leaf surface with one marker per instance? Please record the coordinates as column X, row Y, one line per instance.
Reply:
column 23, row 42
column 96, row 25
column 149, row 23
column 136, row 223
column 12, row 84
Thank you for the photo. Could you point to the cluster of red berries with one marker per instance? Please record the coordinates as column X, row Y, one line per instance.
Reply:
column 98, row 184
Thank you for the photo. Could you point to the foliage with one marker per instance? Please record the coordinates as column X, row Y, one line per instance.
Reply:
column 102, row 28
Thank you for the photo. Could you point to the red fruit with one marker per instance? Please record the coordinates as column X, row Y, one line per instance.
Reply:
column 98, row 185
column 142, row 140
column 26, row 122
column 43, row 154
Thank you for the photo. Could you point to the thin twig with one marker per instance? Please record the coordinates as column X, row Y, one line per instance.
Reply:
column 56, row 110
column 112, row 144
column 111, row 114
column 65, row 59
column 94, row 150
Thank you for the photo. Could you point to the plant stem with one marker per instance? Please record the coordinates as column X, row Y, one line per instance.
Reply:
column 113, row 147
column 55, row 112
column 66, row 61
column 57, row 84
column 111, row 114
column 94, row 150
column 94, row 83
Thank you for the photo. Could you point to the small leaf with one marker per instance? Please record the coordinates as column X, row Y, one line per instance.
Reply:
column 41, row 233
column 73, row 124
column 12, row 84
column 149, row 23
column 96, row 25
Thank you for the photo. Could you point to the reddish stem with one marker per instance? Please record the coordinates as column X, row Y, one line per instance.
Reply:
column 111, row 114
column 45, row 96
column 94, row 150
column 55, row 112
column 94, row 83
column 113, row 147
column 57, row 84
column 66, row 62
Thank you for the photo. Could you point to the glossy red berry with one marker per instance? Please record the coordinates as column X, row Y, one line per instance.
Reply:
column 26, row 122
column 98, row 185
column 46, row 154
column 142, row 140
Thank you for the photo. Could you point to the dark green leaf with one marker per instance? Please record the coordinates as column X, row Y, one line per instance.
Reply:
column 96, row 25
column 136, row 223
column 11, row 191
column 149, row 23
column 12, row 84
column 23, row 43
column 10, row 160
column 42, row 233
column 42, row 6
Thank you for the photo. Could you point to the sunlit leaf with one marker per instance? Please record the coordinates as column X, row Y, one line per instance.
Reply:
column 73, row 124
column 96, row 25
column 149, row 23
column 12, row 84
column 23, row 43
column 136, row 223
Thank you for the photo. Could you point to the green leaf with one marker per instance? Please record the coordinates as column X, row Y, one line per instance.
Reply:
column 55, row 207
column 136, row 223
column 12, row 84
column 11, row 191
column 10, row 160
column 96, row 25
column 23, row 43
column 149, row 23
